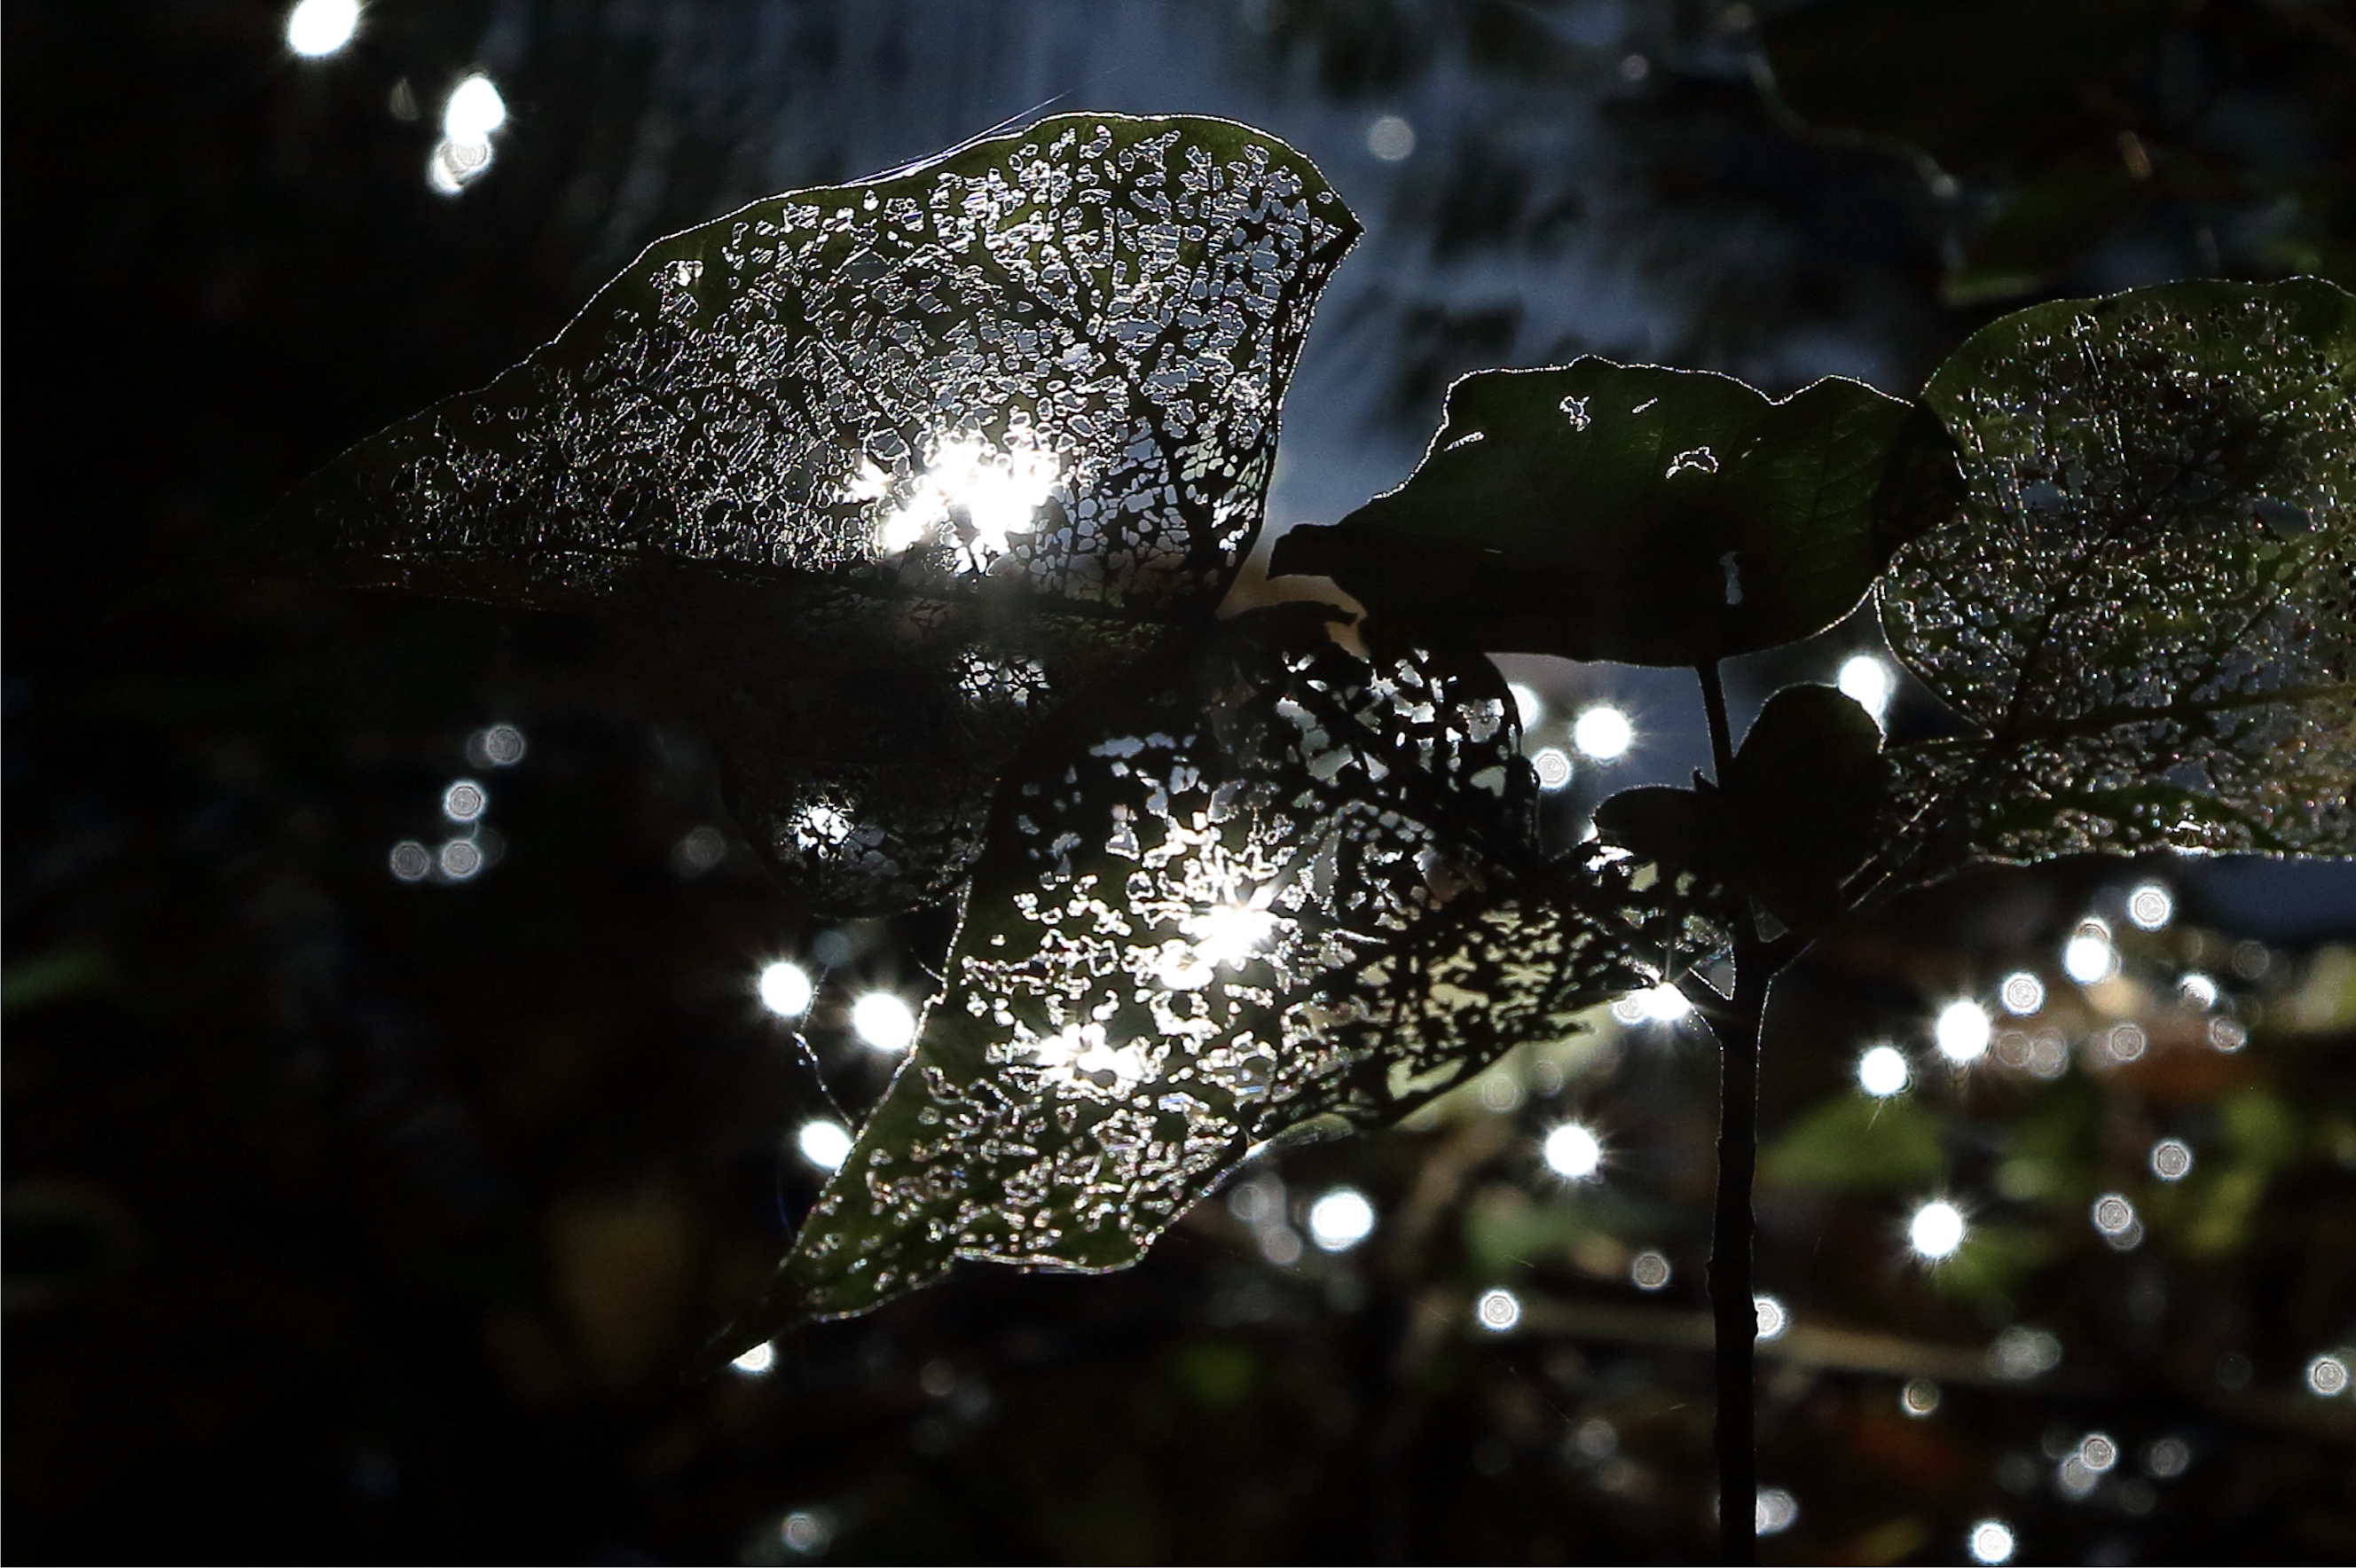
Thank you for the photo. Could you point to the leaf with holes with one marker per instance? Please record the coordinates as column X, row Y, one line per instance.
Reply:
column 1267, row 889
column 1637, row 513
column 2148, row 605
column 941, row 446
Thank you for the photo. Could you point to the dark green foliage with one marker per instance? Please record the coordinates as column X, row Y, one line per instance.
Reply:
column 1637, row 513
column 937, row 447
column 1793, row 816
column 2149, row 604
column 1264, row 888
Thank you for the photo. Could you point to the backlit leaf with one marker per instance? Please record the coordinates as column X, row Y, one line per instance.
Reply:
column 2149, row 604
column 1637, row 513
column 1273, row 890
column 952, row 440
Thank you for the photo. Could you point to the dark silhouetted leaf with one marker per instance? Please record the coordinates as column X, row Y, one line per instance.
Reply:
column 2149, row 604
column 1270, row 889
column 933, row 446
column 1636, row 514
column 1794, row 816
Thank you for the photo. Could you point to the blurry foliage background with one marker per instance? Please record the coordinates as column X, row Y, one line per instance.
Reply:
column 348, row 1219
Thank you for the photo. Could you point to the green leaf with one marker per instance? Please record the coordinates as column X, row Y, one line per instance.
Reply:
column 1794, row 816
column 954, row 439
column 2148, row 605
column 1636, row 514
column 1265, row 890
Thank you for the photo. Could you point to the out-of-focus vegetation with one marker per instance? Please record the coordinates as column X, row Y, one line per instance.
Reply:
column 351, row 1217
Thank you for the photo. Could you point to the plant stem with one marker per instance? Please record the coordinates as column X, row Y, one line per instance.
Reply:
column 1734, row 1316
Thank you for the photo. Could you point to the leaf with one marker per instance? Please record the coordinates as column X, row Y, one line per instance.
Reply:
column 2148, row 605
column 1273, row 890
column 1636, row 514
column 1794, row 816
column 964, row 436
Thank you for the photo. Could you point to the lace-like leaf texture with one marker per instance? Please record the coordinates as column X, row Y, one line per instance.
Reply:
column 1267, row 890
column 2150, row 602
column 940, row 446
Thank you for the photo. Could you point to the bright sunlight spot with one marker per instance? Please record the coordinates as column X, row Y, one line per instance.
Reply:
column 474, row 109
column 1963, row 1031
column 1773, row 1318
column 1498, row 1310
column 317, row 29
column 1868, row 681
column 1602, row 733
column 2151, row 906
column 2088, row 957
column 884, row 1022
column 785, row 988
column 1572, row 1151
column 824, row 1144
column 1991, row 1541
column 1882, row 1071
column 2022, row 993
column 758, row 1360
column 1936, row 1231
column 1340, row 1220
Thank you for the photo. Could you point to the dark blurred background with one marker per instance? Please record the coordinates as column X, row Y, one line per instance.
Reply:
column 356, row 1215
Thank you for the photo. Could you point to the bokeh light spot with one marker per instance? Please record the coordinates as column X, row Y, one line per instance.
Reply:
column 884, row 1022
column 1602, row 733
column 1498, row 1310
column 1882, row 1071
column 1574, row 1151
column 824, row 1144
column 1936, row 1231
column 784, row 988
column 317, row 29
column 1340, row 1220
column 1963, row 1031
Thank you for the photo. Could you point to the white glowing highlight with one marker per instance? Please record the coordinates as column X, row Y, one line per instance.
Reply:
column 1882, row 1071
column 2022, row 993
column 2113, row 1214
column 1919, row 1398
column 1663, row 1004
column 1773, row 1317
column 884, row 1022
column 785, row 988
column 824, row 1144
column 1498, row 1310
column 1602, row 733
column 1868, row 682
column 474, row 109
column 1776, row 1511
column 1572, row 1151
column 1991, row 1541
column 998, row 492
column 1936, row 1231
column 1081, row 1060
column 1963, row 1031
column 756, row 1360
column 1340, row 1220
column 1650, row 1271
column 1230, row 933
column 2151, row 906
column 1553, row 769
column 2328, row 1375
column 2198, row 990
column 317, row 29
column 2171, row 1160
column 1528, row 704
column 2097, row 1452
column 2088, row 957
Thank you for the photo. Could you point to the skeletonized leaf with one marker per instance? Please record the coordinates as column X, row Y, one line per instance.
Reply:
column 1274, row 888
column 1638, row 513
column 971, row 432
column 2150, row 602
